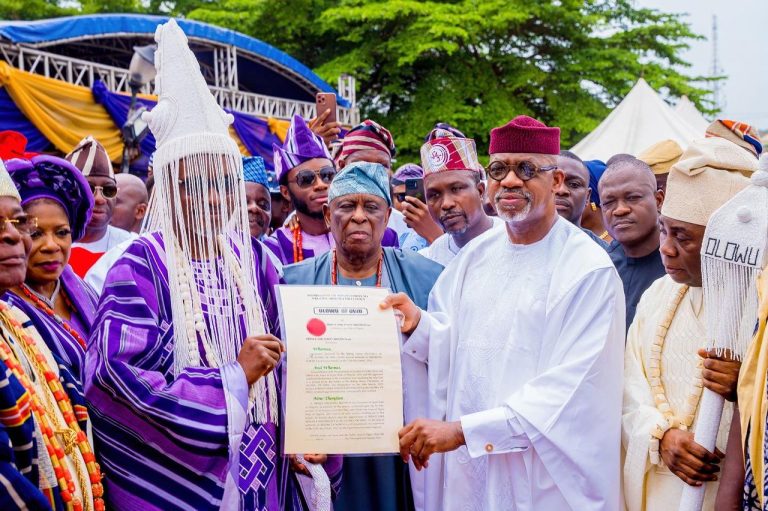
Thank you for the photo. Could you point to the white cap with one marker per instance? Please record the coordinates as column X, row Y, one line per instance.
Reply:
column 710, row 172
column 7, row 188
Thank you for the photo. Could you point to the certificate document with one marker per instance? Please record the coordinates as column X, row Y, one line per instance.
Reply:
column 344, row 386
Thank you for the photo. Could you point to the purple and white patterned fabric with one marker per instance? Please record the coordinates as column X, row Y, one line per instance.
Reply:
column 165, row 442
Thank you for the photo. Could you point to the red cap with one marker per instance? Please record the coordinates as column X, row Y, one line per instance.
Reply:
column 13, row 145
column 525, row 134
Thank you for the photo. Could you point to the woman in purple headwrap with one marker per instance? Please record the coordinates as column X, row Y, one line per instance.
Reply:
column 62, row 307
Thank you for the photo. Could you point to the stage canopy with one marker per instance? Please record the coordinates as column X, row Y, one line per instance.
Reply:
column 62, row 79
column 110, row 38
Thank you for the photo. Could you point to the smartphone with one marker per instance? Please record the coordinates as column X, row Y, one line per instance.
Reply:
column 415, row 188
column 324, row 101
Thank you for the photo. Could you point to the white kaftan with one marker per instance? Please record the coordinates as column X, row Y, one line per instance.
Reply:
column 443, row 250
column 524, row 345
column 649, row 487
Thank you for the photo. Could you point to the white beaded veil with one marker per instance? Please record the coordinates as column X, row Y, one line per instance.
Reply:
column 733, row 254
column 211, row 268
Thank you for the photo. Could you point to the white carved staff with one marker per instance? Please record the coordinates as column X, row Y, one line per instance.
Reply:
column 733, row 253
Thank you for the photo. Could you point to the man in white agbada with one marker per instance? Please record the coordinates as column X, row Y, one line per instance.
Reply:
column 664, row 368
column 524, row 341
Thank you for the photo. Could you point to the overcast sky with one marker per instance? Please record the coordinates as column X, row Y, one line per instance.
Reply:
column 743, row 51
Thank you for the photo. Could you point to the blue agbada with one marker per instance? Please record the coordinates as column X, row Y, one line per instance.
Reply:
column 382, row 483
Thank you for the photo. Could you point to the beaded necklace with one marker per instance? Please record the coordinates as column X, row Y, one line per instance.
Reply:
column 335, row 275
column 685, row 421
column 72, row 436
column 298, row 251
column 40, row 304
column 195, row 326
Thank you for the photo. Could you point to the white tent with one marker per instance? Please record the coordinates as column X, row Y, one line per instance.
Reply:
column 639, row 121
column 690, row 114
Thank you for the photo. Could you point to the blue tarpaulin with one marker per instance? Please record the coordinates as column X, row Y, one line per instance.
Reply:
column 12, row 119
column 126, row 25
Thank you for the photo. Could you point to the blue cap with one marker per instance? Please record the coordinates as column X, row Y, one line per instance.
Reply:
column 254, row 171
column 596, row 170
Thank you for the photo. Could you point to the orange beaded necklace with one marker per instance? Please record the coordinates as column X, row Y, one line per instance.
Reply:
column 298, row 252
column 61, row 321
column 72, row 436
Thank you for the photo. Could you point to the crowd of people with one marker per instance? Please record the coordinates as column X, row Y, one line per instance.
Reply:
column 553, row 316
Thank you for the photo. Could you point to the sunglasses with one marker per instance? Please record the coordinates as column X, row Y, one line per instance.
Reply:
column 399, row 196
column 107, row 191
column 524, row 170
column 306, row 178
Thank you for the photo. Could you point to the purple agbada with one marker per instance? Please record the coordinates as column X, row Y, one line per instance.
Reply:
column 164, row 440
column 281, row 244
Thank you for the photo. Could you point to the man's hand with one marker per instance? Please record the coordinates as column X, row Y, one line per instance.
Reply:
column 720, row 374
column 259, row 355
column 417, row 217
column 688, row 460
column 301, row 468
column 405, row 308
column 327, row 131
column 424, row 437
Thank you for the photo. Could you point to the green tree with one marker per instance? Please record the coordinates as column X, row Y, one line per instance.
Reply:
column 32, row 9
column 476, row 63
column 472, row 63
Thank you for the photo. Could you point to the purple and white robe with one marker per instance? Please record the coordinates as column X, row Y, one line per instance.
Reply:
column 170, row 442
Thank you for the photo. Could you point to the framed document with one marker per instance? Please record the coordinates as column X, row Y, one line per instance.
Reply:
column 344, row 386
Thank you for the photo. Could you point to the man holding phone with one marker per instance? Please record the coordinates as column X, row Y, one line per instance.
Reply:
column 408, row 195
column 325, row 124
column 305, row 170
column 453, row 178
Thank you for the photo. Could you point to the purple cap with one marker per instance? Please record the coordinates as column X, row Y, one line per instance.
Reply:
column 300, row 145
column 407, row 171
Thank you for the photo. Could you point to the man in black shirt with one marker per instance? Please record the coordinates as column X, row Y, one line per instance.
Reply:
column 630, row 204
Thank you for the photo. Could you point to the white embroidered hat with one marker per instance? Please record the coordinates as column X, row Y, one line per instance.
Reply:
column 733, row 253
column 7, row 188
column 198, row 206
column 187, row 119
column 710, row 172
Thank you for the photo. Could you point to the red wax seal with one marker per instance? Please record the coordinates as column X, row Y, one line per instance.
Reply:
column 316, row 327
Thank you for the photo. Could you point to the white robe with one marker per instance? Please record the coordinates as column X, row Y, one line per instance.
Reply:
column 444, row 250
column 650, row 487
column 524, row 345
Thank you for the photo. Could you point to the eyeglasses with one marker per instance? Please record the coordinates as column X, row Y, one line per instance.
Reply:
column 306, row 178
column 399, row 196
column 23, row 224
column 107, row 191
column 524, row 170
